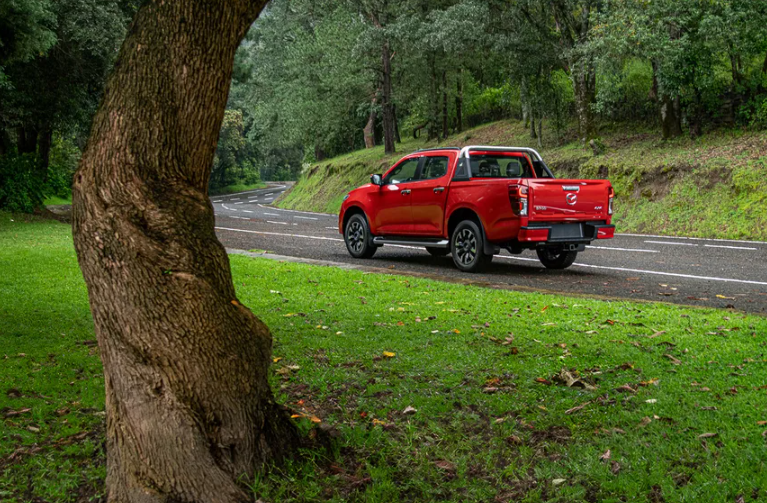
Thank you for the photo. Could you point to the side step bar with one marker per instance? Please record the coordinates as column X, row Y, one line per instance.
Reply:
column 442, row 243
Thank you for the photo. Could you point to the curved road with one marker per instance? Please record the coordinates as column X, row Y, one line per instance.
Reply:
column 703, row 272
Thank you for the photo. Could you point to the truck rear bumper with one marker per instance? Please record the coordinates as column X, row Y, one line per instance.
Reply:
column 582, row 232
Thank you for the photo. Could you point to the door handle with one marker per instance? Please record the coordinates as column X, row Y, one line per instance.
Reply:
column 405, row 192
column 439, row 189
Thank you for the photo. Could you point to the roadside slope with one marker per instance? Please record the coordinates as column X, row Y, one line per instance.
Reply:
column 714, row 186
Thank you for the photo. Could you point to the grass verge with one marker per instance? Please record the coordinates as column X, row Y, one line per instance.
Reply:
column 439, row 391
column 712, row 186
column 57, row 201
column 233, row 189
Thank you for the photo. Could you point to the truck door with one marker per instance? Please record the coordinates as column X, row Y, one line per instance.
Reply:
column 429, row 194
column 393, row 214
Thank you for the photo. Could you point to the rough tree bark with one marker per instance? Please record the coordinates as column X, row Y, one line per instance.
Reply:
column 188, row 404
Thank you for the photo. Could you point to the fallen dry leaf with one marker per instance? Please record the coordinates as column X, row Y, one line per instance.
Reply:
column 605, row 456
column 673, row 360
column 557, row 482
column 644, row 422
column 576, row 408
column 389, row 354
column 707, row 435
column 409, row 410
column 570, row 380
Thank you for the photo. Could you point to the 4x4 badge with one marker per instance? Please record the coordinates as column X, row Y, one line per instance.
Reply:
column 571, row 198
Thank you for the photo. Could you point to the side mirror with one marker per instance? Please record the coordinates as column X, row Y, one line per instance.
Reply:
column 376, row 180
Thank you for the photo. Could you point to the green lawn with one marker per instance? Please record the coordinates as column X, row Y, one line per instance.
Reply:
column 669, row 406
column 56, row 201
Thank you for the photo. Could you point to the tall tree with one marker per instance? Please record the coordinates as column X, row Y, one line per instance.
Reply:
column 188, row 405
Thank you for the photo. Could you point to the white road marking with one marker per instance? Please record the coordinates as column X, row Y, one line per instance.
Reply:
column 730, row 247
column 258, row 190
column 234, row 199
column 253, row 197
column 272, row 214
column 239, row 203
column 334, row 228
column 269, row 194
column 622, row 249
column 280, row 234
column 307, row 218
column 692, row 239
column 280, row 223
column 296, row 211
column 670, row 243
column 226, row 207
column 218, row 201
column 246, row 211
column 643, row 271
column 269, row 199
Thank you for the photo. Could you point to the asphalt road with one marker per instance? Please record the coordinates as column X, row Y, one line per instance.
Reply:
column 703, row 272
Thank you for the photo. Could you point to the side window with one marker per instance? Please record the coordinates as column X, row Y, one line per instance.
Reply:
column 461, row 173
column 434, row 167
column 404, row 172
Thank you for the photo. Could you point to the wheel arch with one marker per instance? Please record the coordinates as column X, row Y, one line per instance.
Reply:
column 459, row 215
column 358, row 210
column 354, row 210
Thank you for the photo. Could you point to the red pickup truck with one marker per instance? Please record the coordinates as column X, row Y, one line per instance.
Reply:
column 472, row 202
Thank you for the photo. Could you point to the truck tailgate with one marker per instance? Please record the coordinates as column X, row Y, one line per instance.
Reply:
column 568, row 200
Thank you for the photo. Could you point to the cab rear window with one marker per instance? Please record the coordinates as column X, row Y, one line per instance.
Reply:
column 500, row 166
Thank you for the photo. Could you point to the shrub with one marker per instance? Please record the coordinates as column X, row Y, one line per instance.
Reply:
column 20, row 189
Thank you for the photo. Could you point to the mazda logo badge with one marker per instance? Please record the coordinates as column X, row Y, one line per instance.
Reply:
column 571, row 198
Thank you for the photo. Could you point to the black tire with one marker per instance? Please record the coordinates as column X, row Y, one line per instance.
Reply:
column 438, row 252
column 357, row 237
column 556, row 257
column 467, row 247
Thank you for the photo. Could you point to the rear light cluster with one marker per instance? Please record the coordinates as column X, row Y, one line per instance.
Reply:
column 610, row 197
column 518, row 199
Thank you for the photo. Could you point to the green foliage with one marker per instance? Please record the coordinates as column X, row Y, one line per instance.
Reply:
column 65, row 156
column 21, row 189
column 754, row 112
column 27, row 29
column 232, row 164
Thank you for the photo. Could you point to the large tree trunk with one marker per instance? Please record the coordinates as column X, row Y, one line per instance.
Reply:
column 26, row 140
column 188, row 404
column 671, row 120
column 387, row 105
column 445, row 117
column 459, row 102
column 370, row 127
column 44, row 143
column 397, row 137
column 433, row 119
column 584, row 85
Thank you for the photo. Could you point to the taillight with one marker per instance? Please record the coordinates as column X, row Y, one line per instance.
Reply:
column 610, row 197
column 518, row 199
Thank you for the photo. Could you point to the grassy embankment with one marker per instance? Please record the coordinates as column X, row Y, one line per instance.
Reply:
column 677, row 410
column 715, row 186
column 240, row 187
